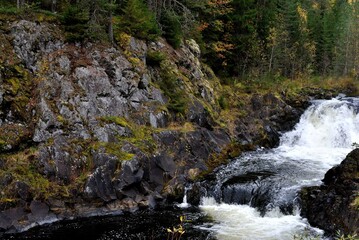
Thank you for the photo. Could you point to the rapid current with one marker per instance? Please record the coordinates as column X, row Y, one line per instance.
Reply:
column 255, row 196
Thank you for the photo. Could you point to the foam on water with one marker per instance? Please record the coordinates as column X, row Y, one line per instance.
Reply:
column 244, row 222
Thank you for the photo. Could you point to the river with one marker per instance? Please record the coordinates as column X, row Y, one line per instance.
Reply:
column 253, row 197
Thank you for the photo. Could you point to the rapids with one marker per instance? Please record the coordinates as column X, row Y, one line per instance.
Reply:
column 255, row 196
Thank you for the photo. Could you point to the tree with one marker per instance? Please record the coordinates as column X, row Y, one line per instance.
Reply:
column 346, row 47
column 139, row 21
column 171, row 28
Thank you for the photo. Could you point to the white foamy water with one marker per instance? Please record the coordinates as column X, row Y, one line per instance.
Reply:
column 326, row 124
column 184, row 203
column 320, row 140
column 244, row 222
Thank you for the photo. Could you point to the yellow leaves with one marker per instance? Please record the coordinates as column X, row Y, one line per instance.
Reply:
column 302, row 13
column 218, row 25
column 221, row 47
column 315, row 5
column 177, row 232
column 123, row 39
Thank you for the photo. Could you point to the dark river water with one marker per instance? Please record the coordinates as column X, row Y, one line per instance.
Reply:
column 140, row 225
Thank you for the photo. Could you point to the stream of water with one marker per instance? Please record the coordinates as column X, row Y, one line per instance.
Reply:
column 255, row 196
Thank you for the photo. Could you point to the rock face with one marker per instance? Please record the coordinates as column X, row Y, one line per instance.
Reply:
column 334, row 205
column 92, row 129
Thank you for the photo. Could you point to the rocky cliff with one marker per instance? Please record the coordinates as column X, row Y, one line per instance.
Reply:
column 334, row 206
column 89, row 129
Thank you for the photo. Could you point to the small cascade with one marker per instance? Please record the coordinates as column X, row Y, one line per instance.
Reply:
column 184, row 203
column 255, row 196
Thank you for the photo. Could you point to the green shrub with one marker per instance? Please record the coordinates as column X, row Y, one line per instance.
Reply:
column 170, row 86
column 172, row 28
column 8, row 10
column 138, row 21
column 154, row 58
column 223, row 102
column 8, row 7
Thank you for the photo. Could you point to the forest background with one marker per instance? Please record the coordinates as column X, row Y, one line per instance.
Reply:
column 241, row 40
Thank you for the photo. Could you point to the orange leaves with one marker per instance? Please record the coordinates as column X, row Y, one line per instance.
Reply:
column 203, row 26
column 222, row 49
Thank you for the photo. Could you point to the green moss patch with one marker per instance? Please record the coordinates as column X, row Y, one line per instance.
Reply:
column 114, row 149
column 21, row 168
column 13, row 136
column 115, row 119
column 140, row 136
column 18, row 85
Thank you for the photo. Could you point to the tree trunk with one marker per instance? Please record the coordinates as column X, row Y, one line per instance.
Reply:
column 271, row 60
column 53, row 6
column 110, row 26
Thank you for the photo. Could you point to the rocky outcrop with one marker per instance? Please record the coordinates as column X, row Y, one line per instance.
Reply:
column 273, row 117
column 334, row 206
column 90, row 129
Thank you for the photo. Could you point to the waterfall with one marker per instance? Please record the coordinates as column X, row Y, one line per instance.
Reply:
column 184, row 203
column 255, row 196
column 326, row 124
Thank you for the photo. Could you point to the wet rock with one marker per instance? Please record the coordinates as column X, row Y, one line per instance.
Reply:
column 195, row 193
column 126, row 204
column 5, row 221
column 331, row 206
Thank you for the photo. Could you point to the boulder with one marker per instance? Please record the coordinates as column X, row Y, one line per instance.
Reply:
column 100, row 184
column 334, row 206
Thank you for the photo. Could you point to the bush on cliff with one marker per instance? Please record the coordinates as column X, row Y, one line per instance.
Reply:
column 170, row 85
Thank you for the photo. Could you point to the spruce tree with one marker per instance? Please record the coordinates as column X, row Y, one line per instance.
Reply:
column 137, row 20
